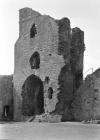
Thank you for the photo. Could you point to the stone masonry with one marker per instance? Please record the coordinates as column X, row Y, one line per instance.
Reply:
column 86, row 105
column 6, row 97
column 59, row 50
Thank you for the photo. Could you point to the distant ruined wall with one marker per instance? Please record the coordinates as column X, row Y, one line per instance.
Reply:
column 55, row 43
column 86, row 105
column 6, row 95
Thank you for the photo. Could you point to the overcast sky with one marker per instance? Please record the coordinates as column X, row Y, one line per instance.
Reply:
column 82, row 13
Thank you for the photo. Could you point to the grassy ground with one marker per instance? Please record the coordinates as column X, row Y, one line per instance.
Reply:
column 49, row 131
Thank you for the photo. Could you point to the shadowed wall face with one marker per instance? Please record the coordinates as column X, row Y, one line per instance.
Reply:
column 32, row 94
column 77, row 53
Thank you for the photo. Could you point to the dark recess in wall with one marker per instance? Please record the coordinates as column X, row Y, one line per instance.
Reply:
column 47, row 80
column 32, row 94
column 50, row 92
column 35, row 60
column 33, row 31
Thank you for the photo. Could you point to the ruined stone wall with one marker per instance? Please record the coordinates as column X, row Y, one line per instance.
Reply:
column 45, row 42
column 6, row 95
column 65, row 78
column 52, row 39
column 86, row 105
column 71, row 76
column 77, row 55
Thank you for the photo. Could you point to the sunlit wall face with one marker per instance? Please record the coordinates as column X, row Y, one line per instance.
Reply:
column 85, row 14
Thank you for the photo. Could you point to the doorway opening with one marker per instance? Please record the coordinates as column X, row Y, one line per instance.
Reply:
column 6, row 112
column 33, row 96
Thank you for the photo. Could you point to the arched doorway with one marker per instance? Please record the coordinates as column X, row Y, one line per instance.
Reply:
column 33, row 96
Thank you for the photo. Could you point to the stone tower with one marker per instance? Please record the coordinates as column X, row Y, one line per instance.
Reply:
column 48, row 64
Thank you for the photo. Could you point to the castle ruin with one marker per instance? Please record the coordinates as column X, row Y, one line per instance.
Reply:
column 48, row 65
column 48, row 69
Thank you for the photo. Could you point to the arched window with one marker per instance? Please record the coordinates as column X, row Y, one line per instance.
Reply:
column 50, row 92
column 33, row 31
column 35, row 60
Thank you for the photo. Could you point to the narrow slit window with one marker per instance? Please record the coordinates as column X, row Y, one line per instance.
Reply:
column 33, row 31
column 47, row 79
column 50, row 93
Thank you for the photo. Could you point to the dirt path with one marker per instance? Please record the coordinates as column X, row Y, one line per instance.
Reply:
column 49, row 131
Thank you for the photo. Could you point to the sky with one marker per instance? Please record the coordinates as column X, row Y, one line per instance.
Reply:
column 84, row 14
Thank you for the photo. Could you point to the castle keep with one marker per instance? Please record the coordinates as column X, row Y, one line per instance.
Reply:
column 47, row 84
column 48, row 69
column 48, row 65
